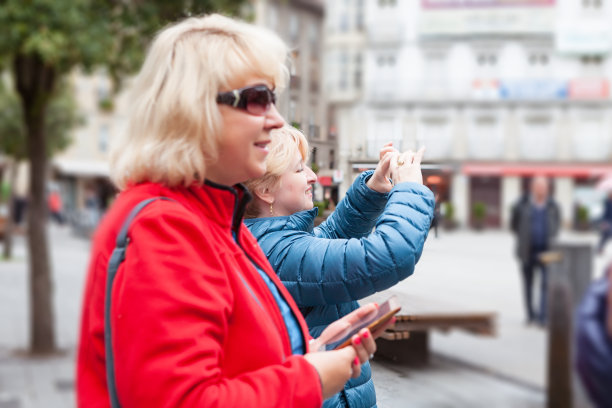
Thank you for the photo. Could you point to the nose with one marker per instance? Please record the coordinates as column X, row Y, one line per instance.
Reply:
column 274, row 120
column 311, row 176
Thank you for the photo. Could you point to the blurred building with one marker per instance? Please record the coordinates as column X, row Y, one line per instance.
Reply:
column 497, row 90
column 300, row 24
column 82, row 170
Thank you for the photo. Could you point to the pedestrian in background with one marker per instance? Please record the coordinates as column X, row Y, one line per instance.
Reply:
column 594, row 341
column 605, row 224
column 535, row 222
column 328, row 268
column 198, row 317
column 54, row 202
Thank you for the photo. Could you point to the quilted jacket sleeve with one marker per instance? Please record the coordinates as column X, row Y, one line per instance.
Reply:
column 320, row 271
column 594, row 345
column 356, row 213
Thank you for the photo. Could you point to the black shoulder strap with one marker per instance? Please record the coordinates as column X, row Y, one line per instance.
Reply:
column 117, row 257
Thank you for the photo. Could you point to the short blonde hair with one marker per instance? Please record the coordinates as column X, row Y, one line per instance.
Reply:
column 286, row 142
column 175, row 125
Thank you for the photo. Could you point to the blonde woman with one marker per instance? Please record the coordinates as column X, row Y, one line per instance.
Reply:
column 328, row 268
column 181, row 307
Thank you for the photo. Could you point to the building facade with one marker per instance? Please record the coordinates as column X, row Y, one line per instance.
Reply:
column 497, row 91
column 300, row 24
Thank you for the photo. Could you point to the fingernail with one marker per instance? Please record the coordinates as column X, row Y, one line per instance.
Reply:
column 356, row 361
column 366, row 334
column 357, row 340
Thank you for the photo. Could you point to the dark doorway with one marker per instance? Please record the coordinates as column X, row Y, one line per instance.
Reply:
column 485, row 193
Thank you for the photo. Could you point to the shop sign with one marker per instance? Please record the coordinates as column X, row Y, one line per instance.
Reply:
column 589, row 89
column 533, row 89
column 593, row 37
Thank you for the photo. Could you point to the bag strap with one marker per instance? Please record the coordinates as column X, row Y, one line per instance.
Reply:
column 116, row 259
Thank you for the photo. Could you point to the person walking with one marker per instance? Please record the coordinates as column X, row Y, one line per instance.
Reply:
column 181, row 308
column 535, row 222
column 328, row 268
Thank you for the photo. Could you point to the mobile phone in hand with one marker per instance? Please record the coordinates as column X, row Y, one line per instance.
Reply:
column 373, row 321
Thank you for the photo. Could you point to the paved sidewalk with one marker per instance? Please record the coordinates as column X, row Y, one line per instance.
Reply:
column 466, row 268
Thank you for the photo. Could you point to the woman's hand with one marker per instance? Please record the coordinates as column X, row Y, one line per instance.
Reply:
column 380, row 180
column 335, row 368
column 407, row 167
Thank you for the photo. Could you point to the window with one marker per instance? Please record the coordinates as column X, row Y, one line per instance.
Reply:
column 358, row 72
column 294, row 28
column 343, row 70
column 103, row 139
column 359, row 15
column 538, row 58
column 592, row 4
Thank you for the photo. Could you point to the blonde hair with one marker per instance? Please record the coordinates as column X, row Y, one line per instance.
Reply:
column 175, row 125
column 286, row 142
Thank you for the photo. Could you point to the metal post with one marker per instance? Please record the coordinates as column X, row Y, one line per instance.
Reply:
column 569, row 274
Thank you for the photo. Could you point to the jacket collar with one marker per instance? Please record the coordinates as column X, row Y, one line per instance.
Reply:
column 300, row 221
column 224, row 205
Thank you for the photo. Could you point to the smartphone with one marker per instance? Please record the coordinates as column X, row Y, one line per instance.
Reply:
column 373, row 321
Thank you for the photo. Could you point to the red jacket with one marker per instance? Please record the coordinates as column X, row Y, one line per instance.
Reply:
column 194, row 324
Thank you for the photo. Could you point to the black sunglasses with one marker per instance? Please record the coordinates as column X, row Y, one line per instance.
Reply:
column 255, row 99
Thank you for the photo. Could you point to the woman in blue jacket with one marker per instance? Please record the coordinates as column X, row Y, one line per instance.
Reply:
column 594, row 341
column 328, row 268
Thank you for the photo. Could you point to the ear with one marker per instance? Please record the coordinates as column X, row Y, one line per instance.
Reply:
column 265, row 194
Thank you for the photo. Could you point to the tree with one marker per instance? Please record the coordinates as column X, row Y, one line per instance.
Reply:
column 42, row 41
column 61, row 119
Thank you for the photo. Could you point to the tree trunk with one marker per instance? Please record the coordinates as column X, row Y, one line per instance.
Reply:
column 35, row 82
column 9, row 226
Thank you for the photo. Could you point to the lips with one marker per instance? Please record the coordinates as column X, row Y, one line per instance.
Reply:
column 262, row 144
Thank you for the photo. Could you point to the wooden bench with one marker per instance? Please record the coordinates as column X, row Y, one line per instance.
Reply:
column 408, row 341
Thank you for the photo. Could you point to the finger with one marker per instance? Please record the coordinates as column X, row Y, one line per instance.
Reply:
column 386, row 147
column 385, row 164
column 368, row 341
column 418, row 157
column 409, row 156
column 358, row 344
column 359, row 314
column 356, row 368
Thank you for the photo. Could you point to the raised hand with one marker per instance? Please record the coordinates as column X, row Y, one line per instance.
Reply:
column 407, row 167
column 380, row 180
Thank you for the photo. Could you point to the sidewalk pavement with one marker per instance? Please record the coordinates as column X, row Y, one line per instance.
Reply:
column 470, row 269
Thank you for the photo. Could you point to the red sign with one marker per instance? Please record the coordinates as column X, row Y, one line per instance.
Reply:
column 471, row 4
column 589, row 88
column 325, row 181
column 526, row 170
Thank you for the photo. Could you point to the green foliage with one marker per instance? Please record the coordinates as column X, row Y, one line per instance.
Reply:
column 106, row 105
column 449, row 211
column 582, row 214
column 321, row 205
column 315, row 167
column 5, row 191
column 296, row 125
column 62, row 116
column 479, row 211
column 90, row 33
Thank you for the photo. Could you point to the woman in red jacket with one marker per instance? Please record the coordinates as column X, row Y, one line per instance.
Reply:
column 196, row 317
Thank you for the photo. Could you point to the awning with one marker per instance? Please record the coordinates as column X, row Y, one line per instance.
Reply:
column 550, row 170
column 81, row 168
column 362, row 166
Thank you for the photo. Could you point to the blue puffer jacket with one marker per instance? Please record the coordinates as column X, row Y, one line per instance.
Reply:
column 328, row 268
column 594, row 344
